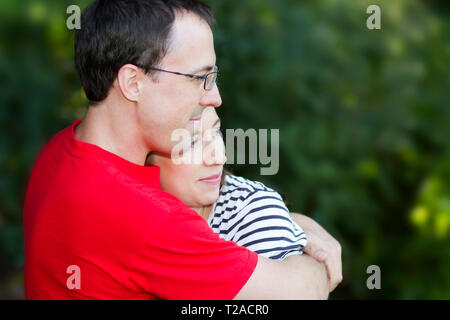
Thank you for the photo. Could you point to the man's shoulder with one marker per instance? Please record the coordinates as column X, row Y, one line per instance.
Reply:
column 84, row 178
column 117, row 194
column 146, row 197
column 54, row 146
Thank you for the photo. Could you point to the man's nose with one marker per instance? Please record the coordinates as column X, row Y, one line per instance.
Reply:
column 211, row 98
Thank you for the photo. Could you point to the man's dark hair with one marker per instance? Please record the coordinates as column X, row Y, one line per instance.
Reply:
column 116, row 32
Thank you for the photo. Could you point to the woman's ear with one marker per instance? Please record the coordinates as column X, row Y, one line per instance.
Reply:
column 128, row 81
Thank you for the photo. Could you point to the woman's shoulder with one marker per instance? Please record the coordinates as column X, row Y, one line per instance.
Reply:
column 236, row 187
column 246, row 200
column 233, row 182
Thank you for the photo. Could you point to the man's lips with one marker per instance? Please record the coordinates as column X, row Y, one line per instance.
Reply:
column 212, row 179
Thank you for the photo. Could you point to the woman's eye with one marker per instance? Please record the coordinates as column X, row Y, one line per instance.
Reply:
column 218, row 132
column 194, row 141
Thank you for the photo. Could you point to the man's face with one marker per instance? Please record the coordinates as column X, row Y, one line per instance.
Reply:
column 170, row 101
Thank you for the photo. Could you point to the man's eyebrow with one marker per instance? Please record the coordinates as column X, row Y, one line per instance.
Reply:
column 203, row 69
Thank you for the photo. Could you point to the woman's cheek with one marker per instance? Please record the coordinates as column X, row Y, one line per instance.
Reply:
column 187, row 181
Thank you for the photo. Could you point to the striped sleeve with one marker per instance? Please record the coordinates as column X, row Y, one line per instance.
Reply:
column 266, row 227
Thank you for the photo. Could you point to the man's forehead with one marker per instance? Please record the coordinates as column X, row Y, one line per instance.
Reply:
column 191, row 44
column 188, row 25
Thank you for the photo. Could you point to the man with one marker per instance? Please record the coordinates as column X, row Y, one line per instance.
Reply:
column 97, row 225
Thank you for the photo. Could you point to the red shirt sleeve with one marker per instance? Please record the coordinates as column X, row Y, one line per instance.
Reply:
column 181, row 258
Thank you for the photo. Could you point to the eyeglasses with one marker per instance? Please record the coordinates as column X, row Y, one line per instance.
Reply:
column 209, row 79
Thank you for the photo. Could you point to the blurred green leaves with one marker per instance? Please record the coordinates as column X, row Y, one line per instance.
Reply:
column 432, row 211
column 363, row 118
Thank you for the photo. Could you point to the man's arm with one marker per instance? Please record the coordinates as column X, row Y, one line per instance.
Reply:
column 296, row 277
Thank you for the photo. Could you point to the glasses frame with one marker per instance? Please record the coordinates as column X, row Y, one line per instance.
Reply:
column 194, row 76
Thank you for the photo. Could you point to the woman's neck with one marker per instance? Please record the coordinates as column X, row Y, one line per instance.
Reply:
column 204, row 211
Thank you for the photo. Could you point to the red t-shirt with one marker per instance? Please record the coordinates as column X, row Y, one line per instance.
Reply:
column 89, row 208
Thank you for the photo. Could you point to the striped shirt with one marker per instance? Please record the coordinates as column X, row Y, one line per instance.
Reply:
column 255, row 216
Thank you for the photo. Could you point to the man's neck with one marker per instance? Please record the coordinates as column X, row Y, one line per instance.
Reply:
column 113, row 132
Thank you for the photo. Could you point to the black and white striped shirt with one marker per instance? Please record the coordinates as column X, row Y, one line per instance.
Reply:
column 255, row 216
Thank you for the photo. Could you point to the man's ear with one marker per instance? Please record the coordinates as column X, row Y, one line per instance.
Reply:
column 128, row 81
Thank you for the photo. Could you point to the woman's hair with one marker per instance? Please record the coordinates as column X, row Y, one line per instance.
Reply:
column 224, row 173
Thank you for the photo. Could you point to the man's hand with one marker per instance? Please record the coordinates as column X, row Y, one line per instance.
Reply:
column 323, row 247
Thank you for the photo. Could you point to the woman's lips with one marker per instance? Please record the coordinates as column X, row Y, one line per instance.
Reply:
column 212, row 179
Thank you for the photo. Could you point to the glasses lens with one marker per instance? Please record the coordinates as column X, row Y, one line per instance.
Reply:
column 210, row 81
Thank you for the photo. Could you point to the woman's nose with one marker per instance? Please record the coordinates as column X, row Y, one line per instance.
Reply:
column 215, row 154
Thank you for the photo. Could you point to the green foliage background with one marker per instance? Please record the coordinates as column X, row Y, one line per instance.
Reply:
column 363, row 117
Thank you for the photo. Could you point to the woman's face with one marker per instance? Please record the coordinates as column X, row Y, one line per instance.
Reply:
column 196, row 183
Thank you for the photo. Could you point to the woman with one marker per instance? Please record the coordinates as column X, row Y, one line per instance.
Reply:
column 246, row 212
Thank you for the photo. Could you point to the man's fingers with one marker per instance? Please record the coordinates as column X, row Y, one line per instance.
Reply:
column 334, row 277
column 331, row 261
column 334, row 267
column 316, row 252
column 320, row 255
column 323, row 248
